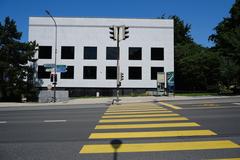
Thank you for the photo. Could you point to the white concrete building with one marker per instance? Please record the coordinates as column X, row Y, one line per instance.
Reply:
column 84, row 45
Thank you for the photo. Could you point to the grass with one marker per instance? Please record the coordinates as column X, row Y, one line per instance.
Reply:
column 144, row 94
column 196, row 94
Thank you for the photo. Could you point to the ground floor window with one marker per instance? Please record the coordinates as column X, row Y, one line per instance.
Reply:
column 135, row 73
column 111, row 72
column 154, row 71
column 89, row 72
column 69, row 74
column 42, row 74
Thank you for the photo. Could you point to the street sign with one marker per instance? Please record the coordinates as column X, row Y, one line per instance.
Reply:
column 50, row 65
column 170, row 81
column 61, row 68
column 49, row 86
column 49, row 69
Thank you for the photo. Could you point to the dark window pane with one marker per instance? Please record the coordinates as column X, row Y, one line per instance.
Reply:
column 90, row 72
column 135, row 53
column 135, row 73
column 42, row 74
column 157, row 54
column 45, row 52
column 112, row 53
column 111, row 72
column 90, row 52
column 69, row 74
column 67, row 52
column 154, row 71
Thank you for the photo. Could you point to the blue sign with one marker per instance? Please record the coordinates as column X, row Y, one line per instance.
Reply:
column 61, row 68
column 49, row 65
column 170, row 81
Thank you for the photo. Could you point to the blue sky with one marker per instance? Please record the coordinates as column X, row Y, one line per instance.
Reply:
column 203, row 15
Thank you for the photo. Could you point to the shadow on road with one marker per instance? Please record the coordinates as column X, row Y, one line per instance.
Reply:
column 116, row 143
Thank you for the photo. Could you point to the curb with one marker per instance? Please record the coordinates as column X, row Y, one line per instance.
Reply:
column 108, row 101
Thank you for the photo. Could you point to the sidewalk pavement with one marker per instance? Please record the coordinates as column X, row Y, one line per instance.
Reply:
column 108, row 100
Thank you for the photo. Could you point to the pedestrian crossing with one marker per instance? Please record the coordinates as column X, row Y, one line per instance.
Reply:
column 159, row 134
column 158, row 147
column 149, row 125
column 149, row 121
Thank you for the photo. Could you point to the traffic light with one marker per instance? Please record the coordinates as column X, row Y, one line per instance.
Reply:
column 113, row 32
column 53, row 78
column 125, row 32
column 122, row 76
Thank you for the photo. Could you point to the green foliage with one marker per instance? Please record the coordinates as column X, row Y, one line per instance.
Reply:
column 196, row 68
column 181, row 30
column 16, row 76
column 227, row 44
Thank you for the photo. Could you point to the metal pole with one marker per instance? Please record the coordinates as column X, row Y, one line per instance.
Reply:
column 55, row 59
column 118, row 69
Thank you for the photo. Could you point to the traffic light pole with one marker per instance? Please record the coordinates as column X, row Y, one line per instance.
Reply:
column 118, row 68
column 55, row 58
column 117, row 36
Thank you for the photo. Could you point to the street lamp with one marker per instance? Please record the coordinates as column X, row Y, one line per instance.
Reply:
column 55, row 60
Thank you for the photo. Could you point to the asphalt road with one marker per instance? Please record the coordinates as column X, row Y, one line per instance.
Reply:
column 207, row 129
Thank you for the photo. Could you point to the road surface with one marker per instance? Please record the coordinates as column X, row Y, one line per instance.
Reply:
column 169, row 130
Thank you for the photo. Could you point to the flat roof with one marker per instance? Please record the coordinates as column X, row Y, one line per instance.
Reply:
column 103, row 22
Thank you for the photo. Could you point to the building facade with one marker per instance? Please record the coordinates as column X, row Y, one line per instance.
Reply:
column 85, row 47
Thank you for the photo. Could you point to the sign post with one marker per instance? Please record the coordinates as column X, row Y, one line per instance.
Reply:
column 170, row 82
column 160, row 83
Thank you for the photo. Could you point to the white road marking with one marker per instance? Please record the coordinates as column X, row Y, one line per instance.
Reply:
column 55, row 121
column 2, row 122
column 237, row 103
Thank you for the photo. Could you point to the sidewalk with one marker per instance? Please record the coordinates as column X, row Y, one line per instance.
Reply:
column 108, row 100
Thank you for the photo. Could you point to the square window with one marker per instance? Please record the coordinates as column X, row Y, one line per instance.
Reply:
column 154, row 71
column 45, row 52
column 90, row 52
column 135, row 53
column 135, row 73
column 89, row 72
column 42, row 74
column 157, row 53
column 112, row 53
column 69, row 74
column 111, row 72
column 67, row 52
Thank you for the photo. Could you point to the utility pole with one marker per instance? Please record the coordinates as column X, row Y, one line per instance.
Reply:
column 118, row 33
column 55, row 59
column 118, row 68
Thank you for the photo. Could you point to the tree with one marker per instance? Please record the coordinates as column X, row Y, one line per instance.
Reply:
column 15, row 71
column 227, row 44
column 196, row 67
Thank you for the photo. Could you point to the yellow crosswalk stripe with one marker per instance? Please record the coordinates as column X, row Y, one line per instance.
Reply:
column 139, row 112
column 158, row 125
column 130, row 109
column 159, row 147
column 170, row 105
column 121, row 107
column 140, row 107
column 129, row 105
column 143, row 119
column 141, row 115
column 226, row 159
column 180, row 133
column 134, row 110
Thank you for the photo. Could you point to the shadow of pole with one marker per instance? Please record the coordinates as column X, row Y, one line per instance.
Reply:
column 116, row 143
